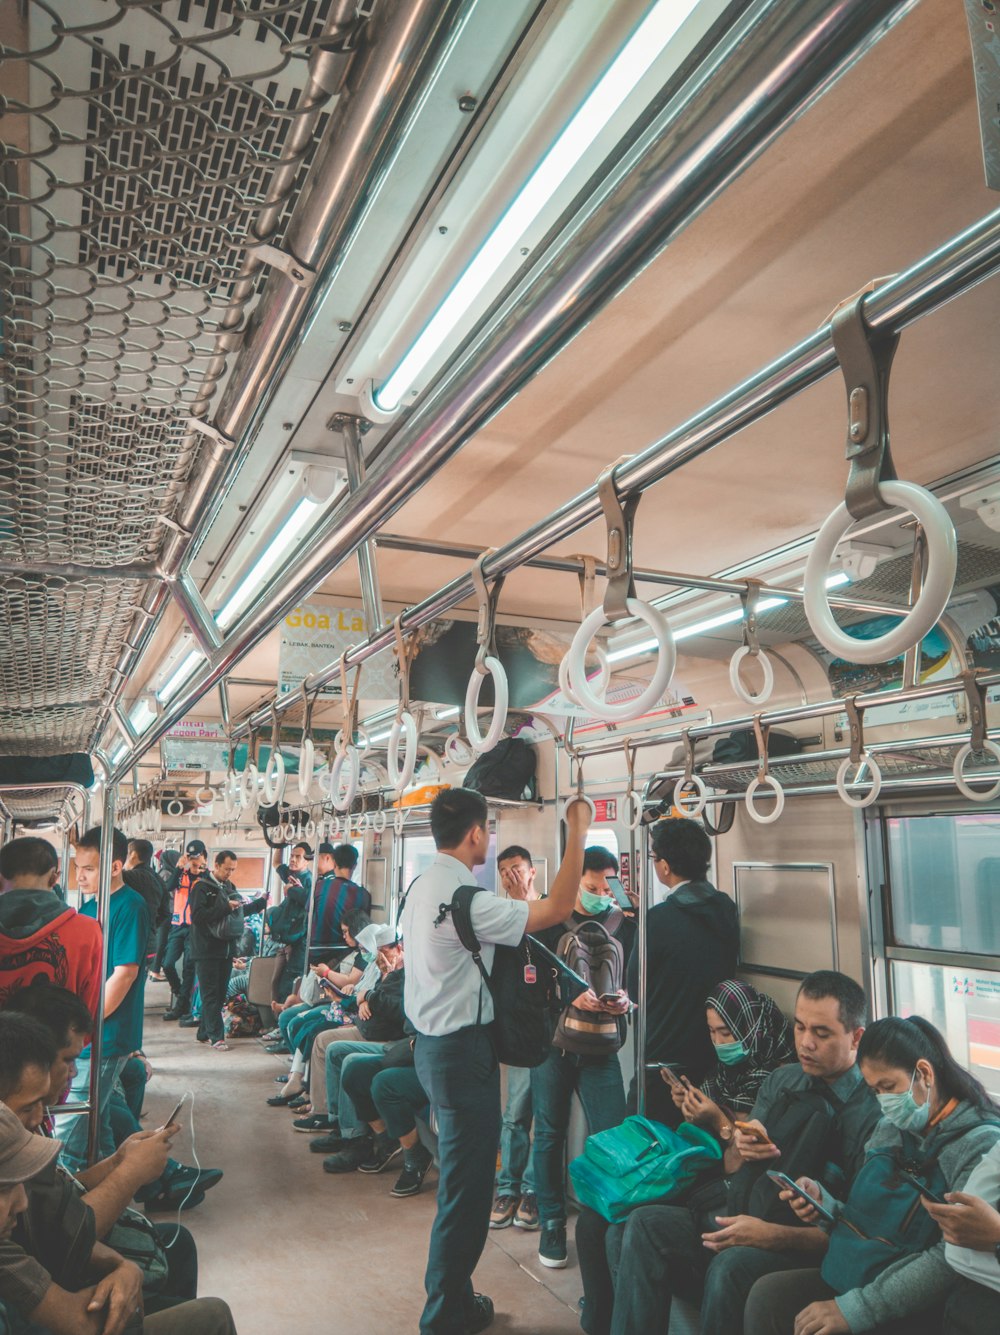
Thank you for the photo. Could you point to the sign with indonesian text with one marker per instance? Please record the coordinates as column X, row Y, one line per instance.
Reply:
column 605, row 810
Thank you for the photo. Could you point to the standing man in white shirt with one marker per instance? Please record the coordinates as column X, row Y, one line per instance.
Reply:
column 451, row 1009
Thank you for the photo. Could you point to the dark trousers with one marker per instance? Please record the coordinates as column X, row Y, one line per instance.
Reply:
column 972, row 1309
column 133, row 1082
column 776, row 1300
column 601, row 1090
column 213, row 979
column 461, row 1075
column 181, row 1283
column 394, row 1096
column 160, row 937
column 179, row 952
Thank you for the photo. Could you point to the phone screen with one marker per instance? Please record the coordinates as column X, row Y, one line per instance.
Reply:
column 924, row 1191
column 783, row 1181
column 618, row 891
column 173, row 1115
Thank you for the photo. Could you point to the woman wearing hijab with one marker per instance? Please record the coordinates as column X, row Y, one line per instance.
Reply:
column 751, row 1038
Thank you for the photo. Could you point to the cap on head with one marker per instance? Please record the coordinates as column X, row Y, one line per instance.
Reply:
column 22, row 1155
column 327, row 848
column 196, row 849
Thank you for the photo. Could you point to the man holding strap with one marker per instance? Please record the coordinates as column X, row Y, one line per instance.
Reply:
column 451, row 1009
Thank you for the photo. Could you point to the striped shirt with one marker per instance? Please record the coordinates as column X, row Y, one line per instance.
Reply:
column 333, row 897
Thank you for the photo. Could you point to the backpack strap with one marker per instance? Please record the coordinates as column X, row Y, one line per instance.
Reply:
column 460, row 909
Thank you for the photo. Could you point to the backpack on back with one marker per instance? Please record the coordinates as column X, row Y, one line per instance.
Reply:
column 591, row 950
column 508, row 771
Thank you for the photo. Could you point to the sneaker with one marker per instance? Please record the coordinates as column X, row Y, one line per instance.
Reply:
column 220, row 1045
column 328, row 1144
column 201, row 1038
column 277, row 1047
column 384, row 1152
column 311, row 1125
column 190, row 1021
column 348, row 1160
column 503, row 1212
column 527, row 1213
column 171, row 1204
column 481, row 1316
column 157, row 977
column 182, row 1176
column 416, row 1162
column 552, row 1246
column 171, row 1014
column 271, row 1036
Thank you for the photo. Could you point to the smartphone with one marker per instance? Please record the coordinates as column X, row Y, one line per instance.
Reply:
column 783, row 1181
column 618, row 892
column 924, row 1191
column 754, row 1132
column 173, row 1115
column 672, row 1080
column 609, row 998
column 330, row 987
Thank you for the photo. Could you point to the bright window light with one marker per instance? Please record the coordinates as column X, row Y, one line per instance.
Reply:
column 119, row 753
column 142, row 716
column 633, row 61
column 179, row 676
column 381, row 736
column 451, row 712
column 267, row 563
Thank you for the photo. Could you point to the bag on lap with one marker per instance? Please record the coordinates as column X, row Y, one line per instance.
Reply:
column 639, row 1163
column 591, row 951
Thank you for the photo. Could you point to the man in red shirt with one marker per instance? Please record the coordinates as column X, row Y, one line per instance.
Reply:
column 40, row 936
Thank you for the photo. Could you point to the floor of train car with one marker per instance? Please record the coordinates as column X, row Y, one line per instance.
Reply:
column 287, row 1245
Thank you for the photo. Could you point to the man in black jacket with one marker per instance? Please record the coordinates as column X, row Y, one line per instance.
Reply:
column 692, row 943
column 215, row 934
column 138, row 875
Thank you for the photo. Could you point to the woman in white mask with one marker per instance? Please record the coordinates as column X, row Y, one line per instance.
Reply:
column 885, row 1268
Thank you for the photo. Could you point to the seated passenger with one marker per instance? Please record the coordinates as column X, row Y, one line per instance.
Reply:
column 817, row 1111
column 109, row 1295
column 885, row 1268
column 970, row 1226
column 387, row 1094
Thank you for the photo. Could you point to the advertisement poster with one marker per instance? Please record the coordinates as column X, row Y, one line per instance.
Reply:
column 313, row 635
column 192, row 745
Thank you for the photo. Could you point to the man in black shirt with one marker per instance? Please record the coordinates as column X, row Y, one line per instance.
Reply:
column 138, row 875
column 692, row 943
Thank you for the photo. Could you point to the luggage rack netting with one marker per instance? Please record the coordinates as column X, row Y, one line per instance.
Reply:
column 59, row 642
column 140, row 141
column 35, row 804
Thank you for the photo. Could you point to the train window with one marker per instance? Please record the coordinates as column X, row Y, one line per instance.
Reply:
column 603, row 836
column 944, row 881
column 965, row 1006
column 419, row 852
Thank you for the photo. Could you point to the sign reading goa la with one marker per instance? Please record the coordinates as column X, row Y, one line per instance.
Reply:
column 350, row 622
column 313, row 636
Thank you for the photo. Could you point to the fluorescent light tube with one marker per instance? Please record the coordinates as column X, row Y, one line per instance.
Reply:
column 381, row 736
column 180, row 675
column 142, row 716
column 267, row 563
column 119, row 753
column 452, row 712
column 632, row 62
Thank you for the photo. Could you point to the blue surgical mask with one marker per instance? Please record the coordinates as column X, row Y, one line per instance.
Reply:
column 368, row 957
column 594, row 903
column 903, row 1111
column 730, row 1053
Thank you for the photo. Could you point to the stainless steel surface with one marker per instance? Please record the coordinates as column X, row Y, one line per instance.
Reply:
column 195, row 612
column 103, row 910
column 371, row 594
column 766, row 71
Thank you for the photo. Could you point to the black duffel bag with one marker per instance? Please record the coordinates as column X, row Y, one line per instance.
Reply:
column 508, row 771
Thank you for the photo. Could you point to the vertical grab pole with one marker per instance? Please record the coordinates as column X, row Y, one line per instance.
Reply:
column 103, row 913
column 640, row 1014
column 311, row 906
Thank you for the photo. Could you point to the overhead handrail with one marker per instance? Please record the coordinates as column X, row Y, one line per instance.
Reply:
column 487, row 664
column 750, row 648
column 865, row 356
column 859, row 760
column 620, row 601
column 689, row 779
column 978, row 742
column 273, row 779
column 761, row 732
column 404, row 725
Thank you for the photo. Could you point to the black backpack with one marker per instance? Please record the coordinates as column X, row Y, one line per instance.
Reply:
column 804, row 1128
column 508, row 771
column 523, row 986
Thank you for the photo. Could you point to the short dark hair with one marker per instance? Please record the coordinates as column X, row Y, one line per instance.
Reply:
column 684, row 845
column 849, row 996
column 454, row 813
column 57, row 1008
column 355, row 920
column 27, row 857
column 515, row 851
column 23, row 1043
column 598, row 858
column 902, row 1043
column 305, row 848
column 345, row 855
column 92, row 839
column 224, row 853
column 143, row 850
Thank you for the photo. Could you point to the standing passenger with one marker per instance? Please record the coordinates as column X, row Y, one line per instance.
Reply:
column 335, row 894
column 451, row 1010
column 188, row 869
column 213, row 944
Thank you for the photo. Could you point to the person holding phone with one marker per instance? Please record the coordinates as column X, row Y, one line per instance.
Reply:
column 970, row 1225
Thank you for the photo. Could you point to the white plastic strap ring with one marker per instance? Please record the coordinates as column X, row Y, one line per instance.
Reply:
column 566, row 686
column 364, row 821
column 403, row 729
column 343, row 797
column 310, row 829
column 579, row 797
column 477, row 741
column 399, row 819
column 194, row 818
column 273, row 788
column 455, row 750
column 364, row 741
column 736, row 680
column 942, row 563
column 175, row 808
column 663, row 671
column 692, row 804
column 204, row 795
column 633, row 809
column 779, row 800
column 866, row 799
column 379, row 820
column 962, row 783
column 333, row 828
column 307, row 757
column 248, row 785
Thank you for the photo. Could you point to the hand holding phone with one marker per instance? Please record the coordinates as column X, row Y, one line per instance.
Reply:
column 619, row 893
column 805, row 1205
column 753, row 1142
column 924, row 1190
column 174, row 1115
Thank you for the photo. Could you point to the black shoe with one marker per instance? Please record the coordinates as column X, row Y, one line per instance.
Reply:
column 328, row 1144
column 415, row 1166
column 178, row 1182
column 552, row 1246
column 172, row 1203
column 282, row 1101
column 384, row 1152
column 277, row 1047
column 348, row 1160
column 171, row 1014
column 316, row 1123
column 481, row 1316
column 189, row 1022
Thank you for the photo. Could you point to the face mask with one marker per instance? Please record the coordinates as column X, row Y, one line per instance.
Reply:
column 593, row 903
column 730, row 1053
column 903, row 1111
column 368, row 957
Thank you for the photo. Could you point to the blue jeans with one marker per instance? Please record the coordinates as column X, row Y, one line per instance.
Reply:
column 291, row 1013
column 71, row 1128
column 517, row 1167
column 338, row 1101
column 601, row 1088
column 302, row 1029
column 461, row 1075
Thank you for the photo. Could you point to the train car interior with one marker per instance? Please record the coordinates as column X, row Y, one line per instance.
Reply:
column 408, row 396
